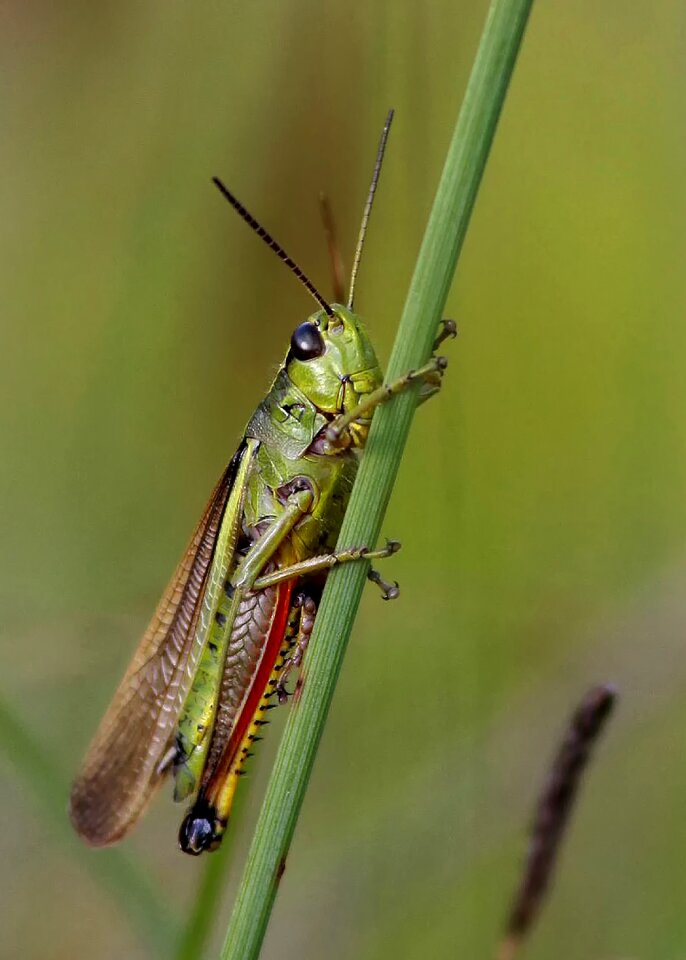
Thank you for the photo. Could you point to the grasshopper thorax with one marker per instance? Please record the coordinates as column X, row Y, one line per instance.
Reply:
column 332, row 361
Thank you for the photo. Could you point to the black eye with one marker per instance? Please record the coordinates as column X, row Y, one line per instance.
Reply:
column 307, row 342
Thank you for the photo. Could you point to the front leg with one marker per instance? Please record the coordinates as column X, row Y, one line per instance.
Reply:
column 365, row 408
column 431, row 385
column 430, row 376
column 448, row 331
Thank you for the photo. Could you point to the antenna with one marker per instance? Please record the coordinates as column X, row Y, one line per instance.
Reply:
column 271, row 242
column 337, row 268
column 368, row 206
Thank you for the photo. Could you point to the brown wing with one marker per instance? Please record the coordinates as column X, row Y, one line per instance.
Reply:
column 122, row 766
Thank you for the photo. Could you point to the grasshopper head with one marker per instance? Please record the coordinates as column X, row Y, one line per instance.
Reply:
column 332, row 361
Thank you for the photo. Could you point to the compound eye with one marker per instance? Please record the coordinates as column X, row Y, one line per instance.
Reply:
column 307, row 342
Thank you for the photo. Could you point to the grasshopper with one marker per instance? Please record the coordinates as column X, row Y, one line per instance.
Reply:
column 241, row 605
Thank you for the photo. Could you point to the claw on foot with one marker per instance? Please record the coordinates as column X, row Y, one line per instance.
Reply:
column 389, row 590
column 449, row 330
column 392, row 546
column 282, row 693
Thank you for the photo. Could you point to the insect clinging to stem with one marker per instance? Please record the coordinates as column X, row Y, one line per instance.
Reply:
column 241, row 605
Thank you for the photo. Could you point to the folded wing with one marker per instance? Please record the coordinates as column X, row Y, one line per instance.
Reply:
column 123, row 763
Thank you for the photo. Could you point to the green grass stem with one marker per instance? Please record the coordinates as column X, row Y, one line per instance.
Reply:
column 425, row 302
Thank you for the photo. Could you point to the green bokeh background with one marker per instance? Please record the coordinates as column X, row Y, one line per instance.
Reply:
column 541, row 500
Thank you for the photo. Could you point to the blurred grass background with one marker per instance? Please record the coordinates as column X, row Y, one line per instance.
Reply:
column 541, row 503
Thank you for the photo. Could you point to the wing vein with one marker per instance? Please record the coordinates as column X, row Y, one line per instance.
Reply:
column 122, row 765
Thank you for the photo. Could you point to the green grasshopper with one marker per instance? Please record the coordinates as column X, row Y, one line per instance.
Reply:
column 241, row 605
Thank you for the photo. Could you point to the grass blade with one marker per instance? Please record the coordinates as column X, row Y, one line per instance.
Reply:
column 425, row 302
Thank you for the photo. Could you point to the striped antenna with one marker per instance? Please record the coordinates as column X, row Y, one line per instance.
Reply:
column 271, row 242
column 368, row 206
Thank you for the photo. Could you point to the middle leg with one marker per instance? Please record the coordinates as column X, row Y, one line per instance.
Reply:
column 325, row 562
